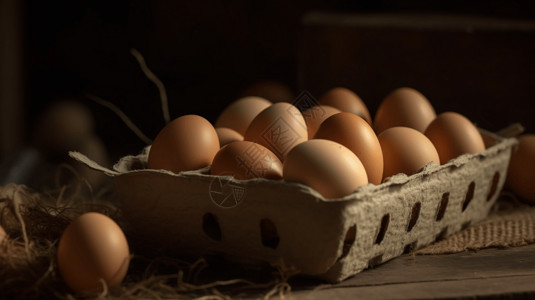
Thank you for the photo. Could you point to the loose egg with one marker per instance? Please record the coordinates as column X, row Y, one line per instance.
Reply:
column 272, row 90
column 328, row 167
column 239, row 114
column 94, row 148
column 404, row 107
column 227, row 135
column 521, row 173
column 405, row 150
column 358, row 136
column 62, row 126
column 246, row 160
column 346, row 100
column 91, row 249
column 315, row 115
column 453, row 134
column 188, row 142
column 279, row 128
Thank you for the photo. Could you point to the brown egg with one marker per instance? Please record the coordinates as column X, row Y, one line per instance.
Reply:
column 3, row 234
column 405, row 150
column 521, row 173
column 272, row 90
column 93, row 248
column 188, row 142
column 227, row 135
column 62, row 126
column 315, row 115
column 453, row 134
column 239, row 114
column 94, row 148
column 357, row 135
column 279, row 128
column 326, row 166
column 404, row 107
column 246, row 160
column 346, row 100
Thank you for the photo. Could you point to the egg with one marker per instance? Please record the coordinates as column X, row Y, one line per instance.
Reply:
column 91, row 249
column 227, row 135
column 358, row 136
column 239, row 114
column 346, row 100
column 62, row 126
column 404, row 107
column 246, row 160
column 272, row 90
column 328, row 167
column 94, row 148
column 279, row 128
column 453, row 134
column 188, row 142
column 3, row 234
column 521, row 172
column 405, row 150
column 315, row 115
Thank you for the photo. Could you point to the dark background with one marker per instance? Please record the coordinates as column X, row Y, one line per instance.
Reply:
column 205, row 52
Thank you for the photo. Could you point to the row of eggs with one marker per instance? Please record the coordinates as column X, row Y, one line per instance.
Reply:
column 333, row 146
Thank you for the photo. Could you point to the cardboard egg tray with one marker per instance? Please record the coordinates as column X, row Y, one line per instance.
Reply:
column 281, row 223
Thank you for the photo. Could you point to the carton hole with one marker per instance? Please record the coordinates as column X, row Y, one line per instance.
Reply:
column 382, row 230
column 494, row 185
column 349, row 240
column 465, row 225
column 375, row 261
column 409, row 247
column 441, row 210
column 269, row 234
column 415, row 214
column 469, row 195
column 442, row 234
column 210, row 226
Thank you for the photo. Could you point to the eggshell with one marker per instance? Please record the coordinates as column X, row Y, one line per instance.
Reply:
column 239, row 114
column 405, row 150
column 93, row 248
column 358, row 136
column 315, row 115
column 3, row 234
column 328, row 167
column 279, row 128
column 453, row 134
column 521, row 172
column 346, row 100
column 246, row 160
column 188, row 142
column 404, row 107
column 227, row 135
column 62, row 126
column 93, row 147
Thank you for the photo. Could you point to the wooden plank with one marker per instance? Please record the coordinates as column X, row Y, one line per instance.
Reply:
column 11, row 94
column 489, row 272
column 517, row 287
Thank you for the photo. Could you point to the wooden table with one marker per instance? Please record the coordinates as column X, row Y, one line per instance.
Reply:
column 485, row 274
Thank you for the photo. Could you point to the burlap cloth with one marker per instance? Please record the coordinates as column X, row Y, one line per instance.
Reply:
column 511, row 223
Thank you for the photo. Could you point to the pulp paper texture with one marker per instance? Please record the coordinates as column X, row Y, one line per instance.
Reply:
column 291, row 225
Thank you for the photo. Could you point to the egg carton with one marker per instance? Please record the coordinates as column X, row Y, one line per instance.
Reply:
column 290, row 224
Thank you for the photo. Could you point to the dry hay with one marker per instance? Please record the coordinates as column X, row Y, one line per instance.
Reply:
column 34, row 222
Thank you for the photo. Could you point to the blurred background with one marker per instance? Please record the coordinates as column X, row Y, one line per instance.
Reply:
column 474, row 57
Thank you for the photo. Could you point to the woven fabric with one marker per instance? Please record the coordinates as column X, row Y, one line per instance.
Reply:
column 510, row 227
